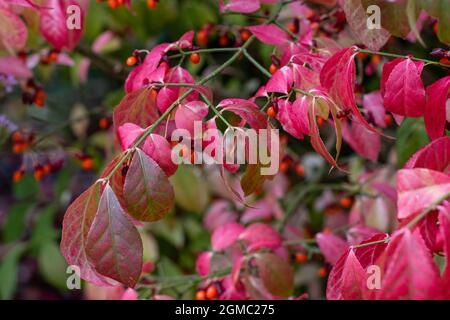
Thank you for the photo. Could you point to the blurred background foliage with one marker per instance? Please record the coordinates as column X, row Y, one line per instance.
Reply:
column 31, row 212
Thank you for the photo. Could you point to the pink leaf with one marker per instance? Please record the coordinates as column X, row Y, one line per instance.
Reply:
column 247, row 110
column 13, row 32
column 419, row 188
column 113, row 245
column 410, row 271
column 203, row 262
column 15, row 67
column 226, row 235
column 434, row 156
column 243, row 6
column 53, row 24
column 331, row 246
column 404, row 90
column 187, row 114
column 435, row 110
column 269, row 34
column 260, row 235
column 373, row 103
column 444, row 219
column 366, row 143
column 281, row 81
column 353, row 278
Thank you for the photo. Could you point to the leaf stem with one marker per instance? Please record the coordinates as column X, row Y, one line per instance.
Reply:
column 393, row 55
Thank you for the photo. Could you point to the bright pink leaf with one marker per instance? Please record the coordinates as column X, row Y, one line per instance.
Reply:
column 366, row 143
column 281, row 81
column 404, row 90
column 419, row 188
column 434, row 156
column 269, row 34
column 435, row 110
column 260, row 235
column 331, row 246
column 13, row 32
column 15, row 67
column 243, row 6
column 226, row 235
column 444, row 219
column 188, row 113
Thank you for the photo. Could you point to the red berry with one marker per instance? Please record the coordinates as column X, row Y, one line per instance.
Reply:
column 245, row 35
column 87, row 163
column 151, row 4
column 300, row 257
column 388, row 120
column 195, row 58
column 212, row 292
column 17, row 176
column 300, row 169
column 322, row 272
column 202, row 37
column 346, row 202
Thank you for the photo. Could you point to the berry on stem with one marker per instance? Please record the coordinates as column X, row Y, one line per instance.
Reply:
column 300, row 257
column 273, row 68
column 200, row 295
column 212, row 292
column 271, row 112
column 131, row 61
column 195, row 58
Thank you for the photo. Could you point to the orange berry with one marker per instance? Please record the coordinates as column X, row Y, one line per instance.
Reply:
column 271, row 112
column 436, row 28
column 53, row 56
column 284, row 166
column 131, row 61
column 151, row 4
column 245, row 35
column 19, row 147
column 200, row 295
column 113, row 4
column 17, row 176
column 388, row 120
column 195, row 58
column 202, row 37
column 376, row 59
column 273, row 68
column 103, row 123
column 184, row 151
column 315, row 25
column 300, row 257
column 322, row 272
column 153, row 94
column 346, row 202
column 87, row 163
column 300, row 169
column 212, row 292
column 39, row 173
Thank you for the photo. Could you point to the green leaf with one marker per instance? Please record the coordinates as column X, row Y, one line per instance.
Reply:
column 411, row 136
column 8, row 272
column 43, row 229
column 191, row 192
column 15, row 222
column 52, row 265
column 26, row 188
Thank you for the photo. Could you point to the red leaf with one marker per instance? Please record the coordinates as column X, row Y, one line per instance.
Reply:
column 338, row 78
column 418, row 189
column 147, row 191
column 353, row 278
column 434, row 156
column 435, row 110
column 247, row 110
column 444, row 220
column 13, row 32
column 187, row 114
column 366, row 255
column 113, row 245
column 366, row 143
column 226, row 235
column 404, row 90
column 137, row 107
column 331, row 246
column 76, row 225
column 410, row 272
column 53, row 24
column 276, row 274
column 269, row 34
